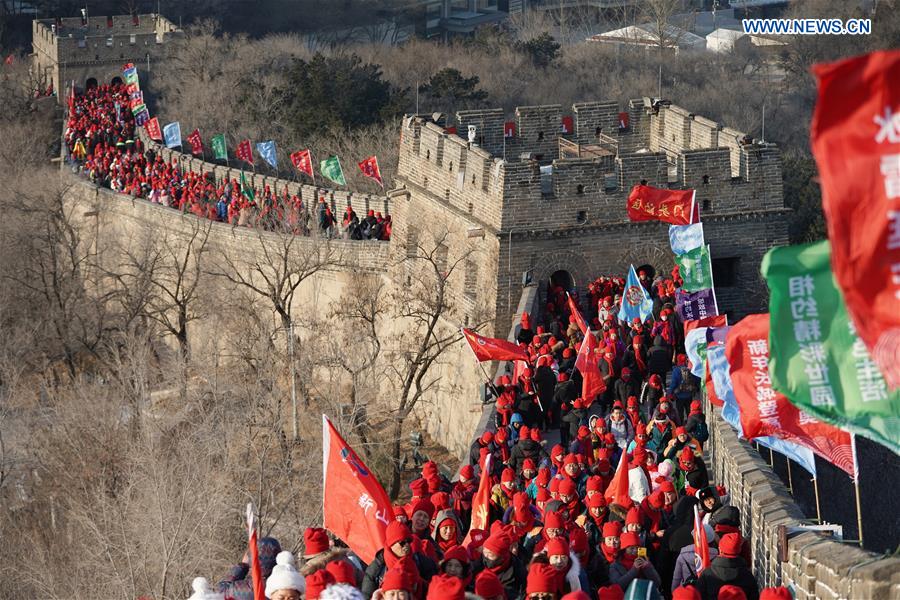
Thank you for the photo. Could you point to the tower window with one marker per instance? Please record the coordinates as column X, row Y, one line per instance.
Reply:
column 706, row 180
column 540, row 135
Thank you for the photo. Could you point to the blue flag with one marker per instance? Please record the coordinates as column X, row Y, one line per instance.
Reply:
column 721, row 377
column 696, row 350
column 267, row 151
column 142, row 117
column 636, row 302
column 172, row 134
column 684, row 238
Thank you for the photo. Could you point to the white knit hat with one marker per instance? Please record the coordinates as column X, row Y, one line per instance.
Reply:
column 284, row 575
column 204, row 591
column 341, row 591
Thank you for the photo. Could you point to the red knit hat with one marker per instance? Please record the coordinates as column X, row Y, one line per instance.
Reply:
column 730, row 545
column 579, row 595
column 487, row 436
column 553, row 520
column 558, row 546
column 535, row 435
column 633, row 517
column 775, row 593
column 508, row 475
column 397, row 579
column 396, row 532
column 425, row 505
column 612, row 529
column 317, row 582
column 542, row 578
column 487, row 585
column 731, row 592
column 567, row 487
column 528, row 463
column 578, row 541
column 629, row 538
column 457, row 553
column 524, row 432
column 680, row 431
column 419, row 487
column 656, row 500
column 315, row 541
column 611, row 592
column 667, row 486
column 498, row 543
column 342, row 571
column 571, row 459
column 687, row 592
column 595, row 484
column 596, row 501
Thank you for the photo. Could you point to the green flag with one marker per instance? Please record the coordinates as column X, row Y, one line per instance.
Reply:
column 246, row 189
column 695, row 269
column 817, row 360
column 331, row 169
column 220, row 150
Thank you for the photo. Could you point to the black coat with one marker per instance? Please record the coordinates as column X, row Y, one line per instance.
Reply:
column 375, row 571
column 727, row 571
column 525, row 449
column 565, row 392
column 545, row 382
column 624, row 389
column 659, row 361
column 512, row 577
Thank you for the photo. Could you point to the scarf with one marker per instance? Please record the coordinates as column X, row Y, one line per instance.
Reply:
column 642, row 365
column 661, row 425
column 609, row 553
column 626, row 560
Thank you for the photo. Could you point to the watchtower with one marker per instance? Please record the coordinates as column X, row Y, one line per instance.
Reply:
column 91, row 51
column 542, row 195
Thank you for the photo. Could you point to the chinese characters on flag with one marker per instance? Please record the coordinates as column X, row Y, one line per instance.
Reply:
column 370, row 169
column 646, row 203
column 153, row 129
column 302, row 159
column 856, row 141
column 356, row 507
column 245, row 151
column 196, row 142
column 765, row 412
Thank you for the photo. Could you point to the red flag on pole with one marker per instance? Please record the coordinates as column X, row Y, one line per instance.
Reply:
column 701, row 544
column 259, row 583
column 245, row 151
column 766, row 412
column 716, row 321
column 356, row 507
column 153, row 129
column 617, row 490
column 481, row 501
column 647, row 203
column 856, row 141
column 302, row 159
column 196, row 142
column 711, row 388
column 582, row 324
column 586, row 362
column 486, row 348
column 370, row 169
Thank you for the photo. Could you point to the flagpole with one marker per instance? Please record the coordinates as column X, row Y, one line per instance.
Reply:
column 815, row 481
column 790, row 480
column 856, row 488
column 771, row 458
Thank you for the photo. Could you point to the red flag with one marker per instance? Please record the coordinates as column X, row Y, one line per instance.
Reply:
column 356, row 507
column 701, row 544
column 567, row 126
column 617, row 490
column 856, row 141
column 481, row 501
column 486, row 348
column 302, row 159
column 245, row 151
column 624, row 120
column 767, row 412
column 196, row 142
column 711, row 388
column 509, row 129
column 370, row 169
column 716, row 321
column 592, row 383
column 582, row 324
column 259, row 583
column 153, row 129
column 647, row 203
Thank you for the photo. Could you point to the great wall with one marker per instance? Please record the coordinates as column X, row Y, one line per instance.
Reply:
column 493, row 200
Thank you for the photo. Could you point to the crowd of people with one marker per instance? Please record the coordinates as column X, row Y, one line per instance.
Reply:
column 102, row 143
column 552, row 531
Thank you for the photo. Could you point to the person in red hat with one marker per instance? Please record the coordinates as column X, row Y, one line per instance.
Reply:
column 629, row 566
column 463, row 491
column 526, row 449
column 488, row 586
column 691, row 471
column 775, row 593
column 683, row 385
column 686, row 592
column 681, row 439
column 398, row 553
column 561, row 558
column 610, row 592
column 448, row 531
column 728, row 568
column 731, row 592
column 618, row 424
column 543, row 582
column 456, row 563
column 398, row 584
column 660, row 429
column 651, row 393
column 696, row 424
column 318, row 554
column 497, row 557
column 317, row 582
column 484, row 442
column 572, row 416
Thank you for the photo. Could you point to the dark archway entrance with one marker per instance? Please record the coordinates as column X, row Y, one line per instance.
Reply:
column 90, row 83
column 563, row 279
column 116, row 81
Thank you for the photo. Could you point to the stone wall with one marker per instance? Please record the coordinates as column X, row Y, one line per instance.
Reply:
column 813, row 565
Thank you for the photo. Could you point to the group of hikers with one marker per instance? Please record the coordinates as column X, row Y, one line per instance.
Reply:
column 102, row 143
column 553, row 529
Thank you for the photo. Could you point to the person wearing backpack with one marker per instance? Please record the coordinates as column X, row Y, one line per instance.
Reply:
column 683, row 385
column 696, row 425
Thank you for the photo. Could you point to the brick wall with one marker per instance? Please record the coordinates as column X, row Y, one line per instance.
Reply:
column 816, row 567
